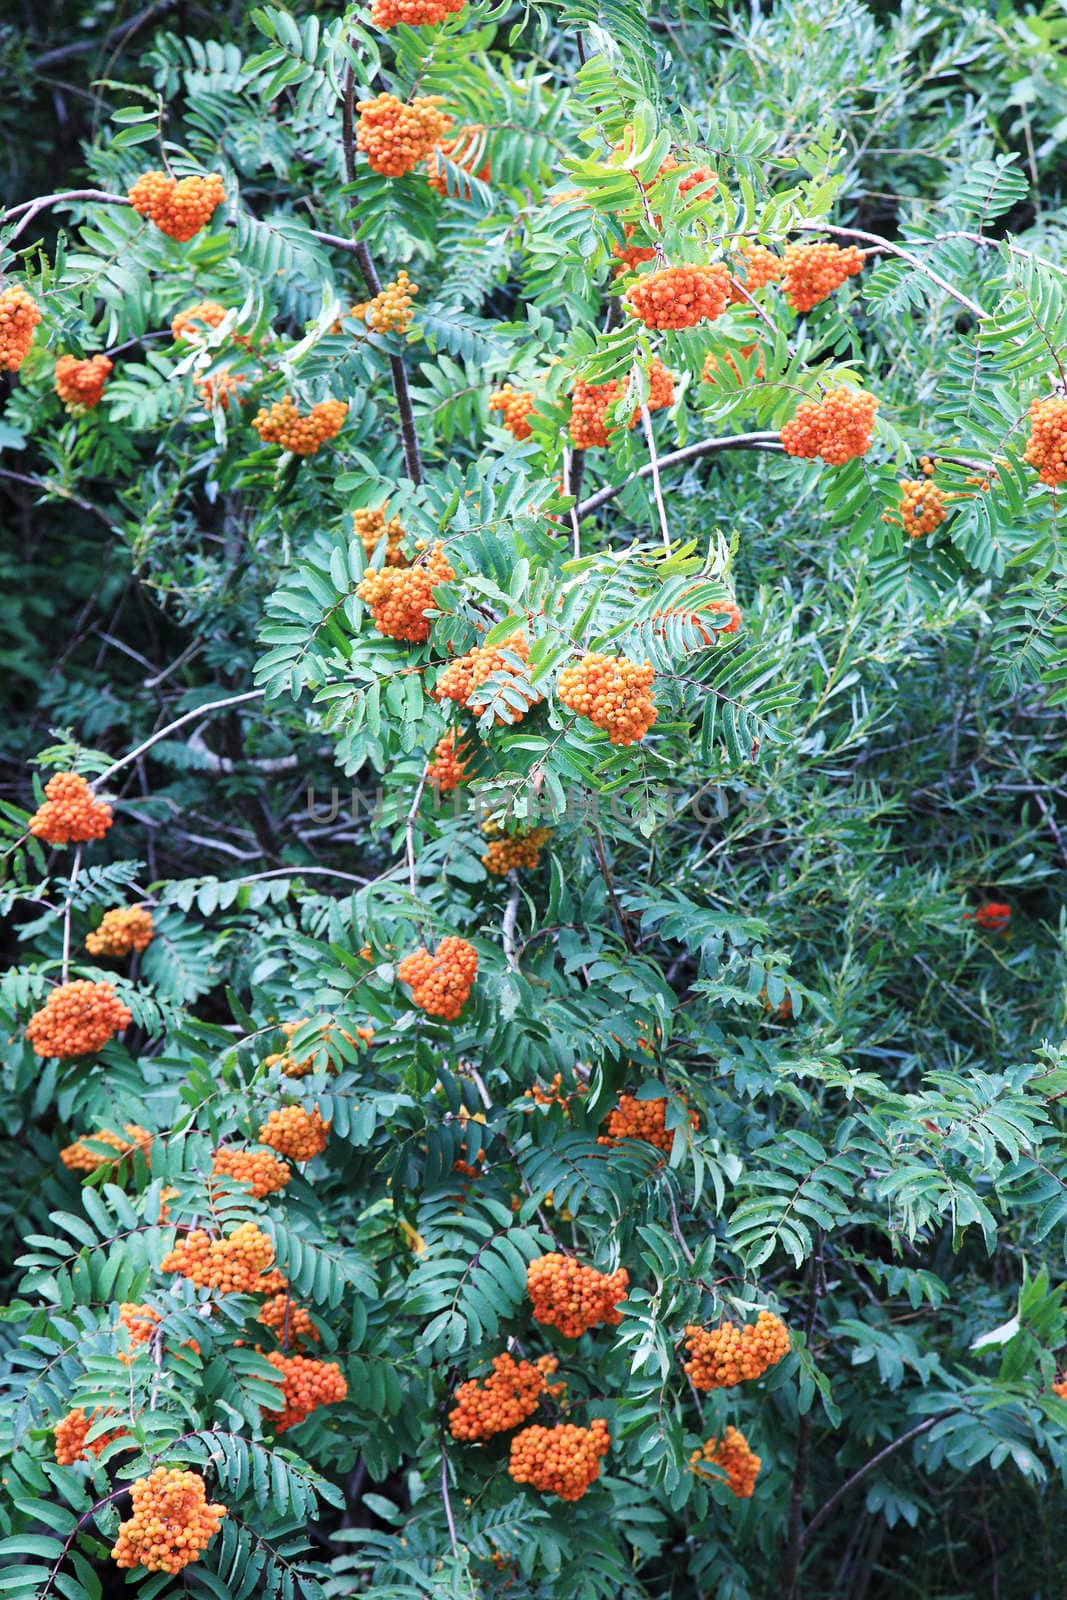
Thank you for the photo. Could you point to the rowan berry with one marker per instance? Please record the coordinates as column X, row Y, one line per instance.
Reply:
column 553, row 1095
column 590, row 403
column 292, row 1067
column 80, row 384
column 448, row 768
column 680, row 297
column 70, row 813
column 232, row 1265
column 140, row 1321
column 413, row 13
column 306, row 1384
column 642, row 1119
column 837, row 428
column 122, row 931
column 547, row 1365
column 733, row 1460
column 921, row 508
column 172, row 1522
column 462, row 151
column 390, row 310
column 566, row 1295
column 301, row 1135
column 303, row 435
column 507, row 852
column 811, row 272
column 71, row 1433
column 80, row 1157
column 783, row 1011
column 397, row 601
column 264, row 1173
column 754, row 268
column 507, row 1397
column 191, row 323
column 1060, row 1387
column 563, row 1460
column 440, row 983
column 992, row 917
column 19, row 316
column 178, row 207
column 216, row 389
column 613, row 693
column 463, row 678
column 515, row 406
column 721, row 1357
column 77, row 1019
column 1046, row 448
column 396, row 136
column 371, row 527
column 290, row 1324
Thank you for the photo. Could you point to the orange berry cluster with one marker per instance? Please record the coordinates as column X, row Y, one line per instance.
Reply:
column 217, row 388
column 838, row 428
column 70, row 1435
column 461, row 151
column 811, row 272
column 77, row 1019
column 390, row 311
column 178, row 207
column 301, row 1135
column 121, row 931
column 722, row 1357
column 680, row 297
column 515, row 406
column 306, row 1384
column 613, row 692
column 80, row 384
column 591, row 402
column 992, row 917
column 70, row 814
column 188, row 324
column 547, row 1365
column 440, row 983
column 754, row 267
column 563, row 1460
column 735, row 1462
column 463, row 677
column 395, row 137
column 507, row 1397
column 509, row 851
column 290, row 1324
column 172, row 1522
column 642, row 1119
column 283, row 424
column 1046, row 448
column 19, row 315
column 369, row 526
column 553, row 1095
column 448, row 769
column 234, row 1265
column 921, row 508
column 78, row 1157
column 1060, row 1387
column 413, row 13
column 573, row 1298
column 140, row 1321
column 265, row 1173
column 397, row 600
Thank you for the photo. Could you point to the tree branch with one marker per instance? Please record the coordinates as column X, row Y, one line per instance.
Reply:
column 691, row 452
column 172, row 727
column 828, row 1507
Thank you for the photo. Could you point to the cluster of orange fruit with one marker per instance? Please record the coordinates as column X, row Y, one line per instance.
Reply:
column 591, row 402
column 398, row 599
column 172, row 1522
column 613, row 693
column 440, row 983
column 178, row 207
column 731, row 1458
column 370, row 526
column 395, row 136
column 992, row 917
column 721, row 1357
column 306, row 1384
column 563, row 1460
column 413, row 13
column 232, row 1265
column 80, row 384
column 507, row 1397
column 189, row 324
column 71, row 1433
column 462, row 677
column 506, row 852
column 390, row 311
column 837, row 428
column 77, row 1019
column 642, row 1119
column 448, row 769
column 291, row 1131
column 554, row 1095
column 121, row 931
column 290, row 1324
column 19, row 316
column 812, row 272
column 573, row 1298
column 71, row 814
column 264, row 1173
column 680, row 297
column 1046, row 448
column 462, row 150
column 78, row 1157
column 303, row 433
column 922, row 505
column 292, row 1066
column 515, row 406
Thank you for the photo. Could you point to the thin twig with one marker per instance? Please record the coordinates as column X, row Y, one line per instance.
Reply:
column 172, row 727
column 609, row 884
column 67, row 910
column 828, row 1507
column 657, row 492
column 409, row 833
column 691, row 452
column 511, row 912
column 447, row 1502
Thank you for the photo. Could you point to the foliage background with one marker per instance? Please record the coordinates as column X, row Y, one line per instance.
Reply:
column 887, row 1170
